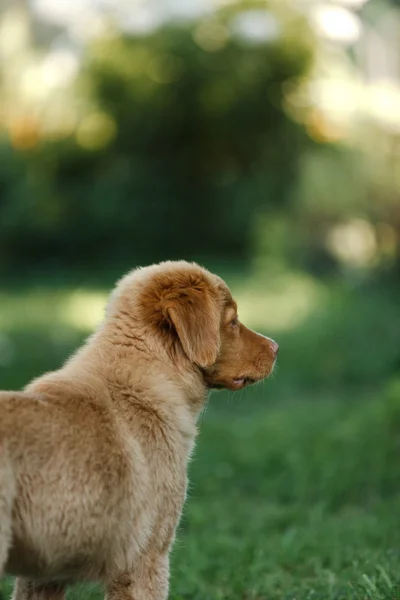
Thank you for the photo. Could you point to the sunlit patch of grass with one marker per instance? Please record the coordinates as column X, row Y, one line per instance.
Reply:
column 41, row 326
column 279, row 303
column 79, row 309
column 84, row 309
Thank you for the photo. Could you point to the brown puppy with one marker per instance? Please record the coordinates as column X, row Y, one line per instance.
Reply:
column 93, row 457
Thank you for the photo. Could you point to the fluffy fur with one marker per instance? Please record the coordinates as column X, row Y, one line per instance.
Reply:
column 93, row 457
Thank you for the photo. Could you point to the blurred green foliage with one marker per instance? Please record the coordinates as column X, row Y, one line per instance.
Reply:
column 190, row 142
column 185, row 139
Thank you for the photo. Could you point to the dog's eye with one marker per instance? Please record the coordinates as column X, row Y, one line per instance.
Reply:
column 234, row 322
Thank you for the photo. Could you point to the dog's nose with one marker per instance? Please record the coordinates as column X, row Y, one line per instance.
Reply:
column 274, row 346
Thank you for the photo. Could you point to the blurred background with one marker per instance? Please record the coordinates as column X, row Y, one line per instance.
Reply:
column 262, row 139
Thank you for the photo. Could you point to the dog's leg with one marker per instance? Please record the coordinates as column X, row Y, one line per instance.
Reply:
column 7, row 495
column 25, row 589
column 148, row 581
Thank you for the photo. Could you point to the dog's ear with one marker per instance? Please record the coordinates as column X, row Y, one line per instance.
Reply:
column 195, row 314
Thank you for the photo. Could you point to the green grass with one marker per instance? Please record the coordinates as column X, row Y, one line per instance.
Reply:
column 295, row 487
column 299, row 501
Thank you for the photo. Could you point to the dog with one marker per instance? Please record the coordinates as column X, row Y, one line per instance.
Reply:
column 93, row 457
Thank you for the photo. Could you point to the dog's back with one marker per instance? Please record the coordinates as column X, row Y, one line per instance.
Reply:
column 85, row 468
column 7, row 496
column 63, row 454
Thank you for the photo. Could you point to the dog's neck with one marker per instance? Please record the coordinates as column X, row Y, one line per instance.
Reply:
column 132, row 364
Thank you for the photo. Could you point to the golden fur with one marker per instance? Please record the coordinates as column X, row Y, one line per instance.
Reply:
column 93, row 457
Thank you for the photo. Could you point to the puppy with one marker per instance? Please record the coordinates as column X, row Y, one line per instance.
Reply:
column 93, row 457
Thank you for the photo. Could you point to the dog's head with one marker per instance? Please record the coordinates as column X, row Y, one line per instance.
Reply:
column 192, row 314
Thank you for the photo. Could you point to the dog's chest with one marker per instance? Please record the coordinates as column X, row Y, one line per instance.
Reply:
column 147, row 524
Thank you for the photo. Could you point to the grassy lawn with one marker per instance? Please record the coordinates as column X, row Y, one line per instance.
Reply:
column 295, row 486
